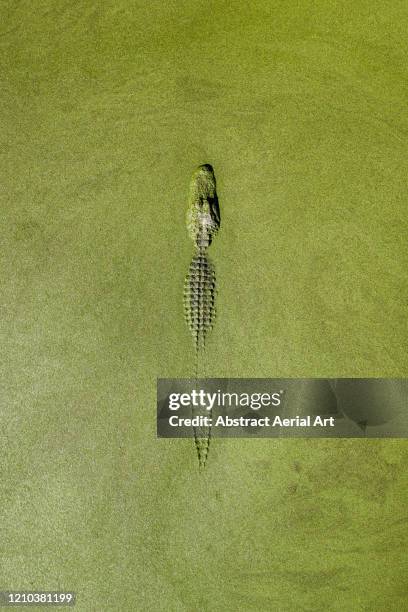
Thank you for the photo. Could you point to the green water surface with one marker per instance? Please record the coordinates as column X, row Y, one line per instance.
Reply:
column 106, row 109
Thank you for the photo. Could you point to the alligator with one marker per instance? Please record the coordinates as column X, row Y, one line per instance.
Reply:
column 203, row 222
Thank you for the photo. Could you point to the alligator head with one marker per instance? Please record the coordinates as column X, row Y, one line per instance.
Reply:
column 203, row 214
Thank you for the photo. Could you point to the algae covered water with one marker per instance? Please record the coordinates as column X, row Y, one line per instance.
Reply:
column 107, row 109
